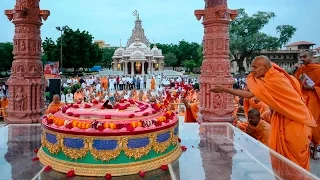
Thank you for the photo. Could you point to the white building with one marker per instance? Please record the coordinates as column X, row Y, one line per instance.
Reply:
column 137, row 57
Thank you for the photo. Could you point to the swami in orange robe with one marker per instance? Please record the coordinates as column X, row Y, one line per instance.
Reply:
column 55, row 105
column 258, row 128
column 312, row 97
column 4, row 105
column 153, row 84
column 191, row 113
column 291, row 122
column 78, row 96
column 254, row 103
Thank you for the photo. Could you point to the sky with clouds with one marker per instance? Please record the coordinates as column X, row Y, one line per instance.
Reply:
column 164, row 21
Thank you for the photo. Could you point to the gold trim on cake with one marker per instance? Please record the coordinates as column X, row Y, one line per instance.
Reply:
column 114, row 169
column 137, row 153
column 75, row 153
column 53, row 148
column 160, row 147
column 106, row 155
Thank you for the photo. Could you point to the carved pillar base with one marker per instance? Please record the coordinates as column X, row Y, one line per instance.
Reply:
column 27, row 104
column 26, row 83
column 215, row 70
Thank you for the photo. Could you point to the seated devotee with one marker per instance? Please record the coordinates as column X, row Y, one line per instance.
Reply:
column 258, row 128
column 141, row 96
column 55, row 105
column 69, row 97
column 309, row 77
column 63, row 96
column 192, row 110
column 291, row 122
column 254, row 103
column 4, row 102
column 78, row 97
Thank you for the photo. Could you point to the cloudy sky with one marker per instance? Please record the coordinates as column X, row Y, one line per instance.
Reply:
column 164, row 21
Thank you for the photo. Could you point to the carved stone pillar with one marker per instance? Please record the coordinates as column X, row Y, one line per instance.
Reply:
column 216, row 107
column 142, row 66
column 115, row 66
column 125, row 69
column 26, row 83
column 132, row 68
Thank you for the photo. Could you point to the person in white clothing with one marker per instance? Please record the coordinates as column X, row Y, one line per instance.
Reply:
column 98, row 87
column 69, row 81
column 62, row 97
column 69, row 97
column 83, row 85
column 112, row 82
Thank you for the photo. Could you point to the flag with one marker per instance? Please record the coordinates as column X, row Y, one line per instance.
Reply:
column 135, row 13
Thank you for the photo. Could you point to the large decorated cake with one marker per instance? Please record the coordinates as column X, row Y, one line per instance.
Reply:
column 95, row 141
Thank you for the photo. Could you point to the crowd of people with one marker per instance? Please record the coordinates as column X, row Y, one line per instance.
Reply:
column 95, row 87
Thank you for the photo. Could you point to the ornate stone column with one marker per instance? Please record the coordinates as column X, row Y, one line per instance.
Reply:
column 132, row 68
column 216, row 107
column 142, row 66
column 125, row 69
column 26, row 83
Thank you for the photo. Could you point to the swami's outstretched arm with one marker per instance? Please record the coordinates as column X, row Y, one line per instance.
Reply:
column 235, row 92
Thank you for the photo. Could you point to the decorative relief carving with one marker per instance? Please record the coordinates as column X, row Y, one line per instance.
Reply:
column 209, row 47
column 16, row 45
column 226, row 45
column 219, row 45
column 209, row 69
column 218, row 100
column 24, row 29
column 32, row 45
column 216, row 29
column 33, row 70
column 22, row 46
column 20, row 100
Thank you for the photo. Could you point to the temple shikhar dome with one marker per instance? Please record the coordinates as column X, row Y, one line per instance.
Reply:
column 137, row 58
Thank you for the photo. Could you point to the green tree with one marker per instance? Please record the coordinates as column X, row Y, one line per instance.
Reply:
column 187, row 51
column 107, row 54
column 6, row 56
column 170, row 60
column 183, row 51
column 200, row 54
column 51, row 50
column 79, row 51
column 247, row 39
column 189, row 65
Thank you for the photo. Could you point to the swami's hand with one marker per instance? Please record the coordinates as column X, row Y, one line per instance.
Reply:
column 217, row 89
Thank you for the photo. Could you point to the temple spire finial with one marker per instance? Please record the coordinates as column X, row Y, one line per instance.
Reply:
column 120, row 43
column 154, row 43
column 135, row 13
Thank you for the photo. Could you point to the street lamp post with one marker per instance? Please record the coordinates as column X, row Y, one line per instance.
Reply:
column 61, row 29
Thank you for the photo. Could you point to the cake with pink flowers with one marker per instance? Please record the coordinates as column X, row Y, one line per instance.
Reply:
column 91, row 140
